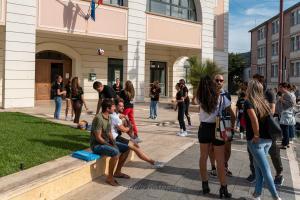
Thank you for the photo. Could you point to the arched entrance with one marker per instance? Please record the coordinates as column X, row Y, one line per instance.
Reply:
column 48, row 65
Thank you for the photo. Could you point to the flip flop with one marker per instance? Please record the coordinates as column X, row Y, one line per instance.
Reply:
column 122, row 176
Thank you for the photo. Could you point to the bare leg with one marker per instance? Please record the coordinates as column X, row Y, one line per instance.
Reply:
column 112, row 163
column 140, row 153
column 212, row 156
column 121, row 163
column 204, row 150
column 227, row 153
column 219, row 155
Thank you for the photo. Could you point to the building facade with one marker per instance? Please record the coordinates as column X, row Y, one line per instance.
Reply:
column 143, row 40
column 265, row 48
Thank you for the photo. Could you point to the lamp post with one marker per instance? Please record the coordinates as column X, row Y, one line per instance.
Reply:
column 280, row 64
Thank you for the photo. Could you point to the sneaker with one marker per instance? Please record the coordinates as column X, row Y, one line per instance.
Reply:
column 158, row 164
column 251, row 178
column 184, row 133
column 278, row 180
column 138, row 140
column 213, row 172
column 180, row 132
column 291, row 141
column 228, row 172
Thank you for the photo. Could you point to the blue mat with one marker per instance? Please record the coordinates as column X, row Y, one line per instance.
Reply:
column 85, row 155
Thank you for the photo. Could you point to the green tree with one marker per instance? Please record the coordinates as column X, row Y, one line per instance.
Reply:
column 200, row 69
column 237, row 63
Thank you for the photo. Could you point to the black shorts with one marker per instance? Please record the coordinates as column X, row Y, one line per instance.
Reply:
column 206, row 134
column 122, row 140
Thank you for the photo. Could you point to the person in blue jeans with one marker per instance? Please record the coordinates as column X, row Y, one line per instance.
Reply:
column 259, row 141
column 58, row 92
column 154, row 95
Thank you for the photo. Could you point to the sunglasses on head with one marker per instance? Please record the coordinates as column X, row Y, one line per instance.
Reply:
column 219, row 80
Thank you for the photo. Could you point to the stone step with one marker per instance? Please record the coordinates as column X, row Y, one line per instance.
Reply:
column 53, row 179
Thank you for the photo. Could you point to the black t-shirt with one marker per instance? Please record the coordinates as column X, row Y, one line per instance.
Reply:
column 107, row 93
column 68, row 90
column 76, row 95
column 240, row 104
column 128, row 103
column 179, row 96
column 186, row 92
column 270, row 96
column 57, row 86
column 263, row 133
column 154, row 93
column 117, row 89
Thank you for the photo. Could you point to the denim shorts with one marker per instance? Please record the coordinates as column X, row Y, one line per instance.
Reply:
column 110, row 151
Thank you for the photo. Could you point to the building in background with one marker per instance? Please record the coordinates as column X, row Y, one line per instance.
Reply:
column 143, row 40
column 265, row 48
column 247, row 69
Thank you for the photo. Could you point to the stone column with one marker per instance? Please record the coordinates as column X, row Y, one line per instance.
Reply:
column 136, row 46
column 19, row 53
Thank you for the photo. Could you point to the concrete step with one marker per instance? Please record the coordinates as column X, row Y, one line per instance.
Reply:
column 53, row 179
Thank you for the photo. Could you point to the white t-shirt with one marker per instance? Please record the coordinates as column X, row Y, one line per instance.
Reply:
column 115, row 122
column 211, row 117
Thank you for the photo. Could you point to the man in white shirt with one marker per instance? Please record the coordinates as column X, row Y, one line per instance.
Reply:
column 118, row 127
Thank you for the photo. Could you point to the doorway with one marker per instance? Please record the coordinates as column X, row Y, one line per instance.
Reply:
column 158, row 73
column 115, row 70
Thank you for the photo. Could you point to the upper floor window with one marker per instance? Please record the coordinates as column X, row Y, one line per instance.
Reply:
column 261, row 33
column 275, row 47
column 274, row 70
column 295, row 17
column 295, row 43
column 295, row 69
column 215, row 28
column 260, row 70
column 261, row 52
column 182, row 9
column 275, row 26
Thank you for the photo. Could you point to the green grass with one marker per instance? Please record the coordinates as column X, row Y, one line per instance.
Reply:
column 33, row 141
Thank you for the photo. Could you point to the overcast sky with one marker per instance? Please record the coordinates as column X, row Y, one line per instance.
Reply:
column 245, row 15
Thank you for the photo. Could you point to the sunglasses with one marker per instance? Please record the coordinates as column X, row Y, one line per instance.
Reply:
column 219, row 80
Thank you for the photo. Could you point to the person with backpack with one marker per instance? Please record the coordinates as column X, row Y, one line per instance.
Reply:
column 58, row 92
column 259, row 139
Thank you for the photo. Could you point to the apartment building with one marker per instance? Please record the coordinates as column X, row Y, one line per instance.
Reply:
column 265, row 48
column 143, row 40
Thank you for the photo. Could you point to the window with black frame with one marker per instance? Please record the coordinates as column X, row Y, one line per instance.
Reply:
column 182, row 9
column 114, row 2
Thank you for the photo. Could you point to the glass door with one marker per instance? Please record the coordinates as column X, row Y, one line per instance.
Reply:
column 115, row 70
column 158, row 73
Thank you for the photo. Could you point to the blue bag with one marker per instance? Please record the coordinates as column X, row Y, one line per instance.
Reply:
column 85, row 155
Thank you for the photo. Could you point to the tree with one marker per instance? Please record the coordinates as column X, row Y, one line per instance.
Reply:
column 237, row 63
column 198, row 70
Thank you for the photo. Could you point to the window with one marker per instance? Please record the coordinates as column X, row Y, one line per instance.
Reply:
column 275, row 26
column 274, row 70
column 260, row 70
column 114, row 2
column 187, row 70
column 261, row 52
column 182, row 9
column 295, row 43
column 215, row 28
column 295, row 17
column 275, row 47
column 261, row 34
column 295, row 69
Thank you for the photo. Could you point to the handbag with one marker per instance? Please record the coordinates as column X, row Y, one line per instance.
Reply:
column 273, row 127
column 223, row 130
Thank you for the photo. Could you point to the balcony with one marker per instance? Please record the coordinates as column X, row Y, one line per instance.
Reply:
column 68, row 16
column 173, row 32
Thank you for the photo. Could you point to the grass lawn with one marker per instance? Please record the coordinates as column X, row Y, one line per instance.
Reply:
column 32, row 141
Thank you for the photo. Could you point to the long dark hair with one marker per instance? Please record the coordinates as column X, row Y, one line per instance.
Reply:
column 129, row 90
column 75, row 86
column 207, row 94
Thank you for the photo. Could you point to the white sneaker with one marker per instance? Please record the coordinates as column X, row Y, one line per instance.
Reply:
column 180, row 132
column 183, row 134
column 158, row 164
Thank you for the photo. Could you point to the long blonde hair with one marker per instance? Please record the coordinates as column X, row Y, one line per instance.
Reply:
column 255, row 94
column 129, row 89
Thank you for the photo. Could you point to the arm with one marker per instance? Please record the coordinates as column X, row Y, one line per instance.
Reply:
column 272, row 107
column 59, row 92
column 83, row 101
column 232, row 117
column 111, row 139
column 99, row 105
column 254, row 124
column 99, row 137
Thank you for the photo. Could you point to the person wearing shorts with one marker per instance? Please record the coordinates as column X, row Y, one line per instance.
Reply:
column 102, row 143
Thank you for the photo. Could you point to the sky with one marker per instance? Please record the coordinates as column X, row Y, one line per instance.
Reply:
column 247, row 14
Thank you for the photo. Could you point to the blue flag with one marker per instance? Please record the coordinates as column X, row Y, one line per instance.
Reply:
column 93, row 10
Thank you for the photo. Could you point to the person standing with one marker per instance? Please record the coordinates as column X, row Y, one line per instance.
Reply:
column 211, row 104
column 181, row 109
column 68, row 100
column 186, row 100
column 128, row 94
column 117, row 87
column 77, row 99
column 259, row 140
column 105, row 92
column 57, row 88
column 154, row 96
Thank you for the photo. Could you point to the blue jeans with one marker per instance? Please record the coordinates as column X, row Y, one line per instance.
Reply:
column 259, row 152
column 110, row 151
column 58, row 104
column 153, row 109
column 292, row 131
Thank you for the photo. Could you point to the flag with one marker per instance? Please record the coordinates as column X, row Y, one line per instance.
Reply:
column 93, row 10
column 100, row 2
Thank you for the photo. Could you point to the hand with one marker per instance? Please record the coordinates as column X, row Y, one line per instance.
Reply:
column 255, row 139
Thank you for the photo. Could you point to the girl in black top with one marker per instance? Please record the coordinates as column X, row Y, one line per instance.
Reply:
column 117, row 87
column 181, row 109
column 68, row 100
column 154, row 95
column 77, row 99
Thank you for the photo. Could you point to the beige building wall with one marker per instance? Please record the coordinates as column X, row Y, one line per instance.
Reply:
column 2, row 41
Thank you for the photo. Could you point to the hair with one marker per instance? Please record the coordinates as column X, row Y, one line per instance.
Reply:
column 255, row 94
column 284, row 85
column 259, row 78
column 96, row 84
column 155, row 84
column 243, row 94
column 117, row 79
column 57, row 77
column 129, row 89
column 182, row 81
column 75, row 86
column 207, row 94
column 107, row 103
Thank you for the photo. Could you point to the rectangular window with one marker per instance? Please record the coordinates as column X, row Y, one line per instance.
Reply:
column 114, row 2
column 293, row 16
column 295, row 69
column 275, row 47
column 261, row 52
column 215, row 28
column 274, row 70
column 295, row 43
column 260, row 70
column 275, row 26
column 261, row 34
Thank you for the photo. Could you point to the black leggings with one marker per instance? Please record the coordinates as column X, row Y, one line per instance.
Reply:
column 77, row 107
column 181, row 111
column 186, row 112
